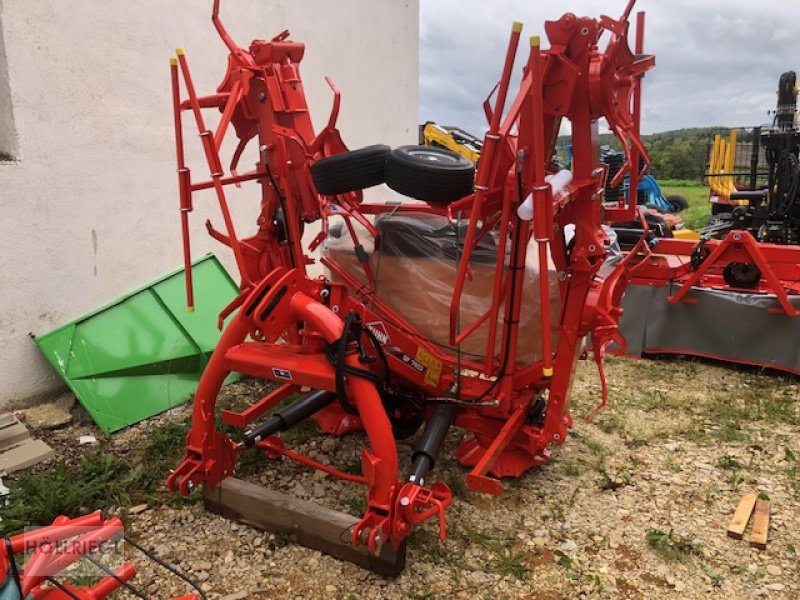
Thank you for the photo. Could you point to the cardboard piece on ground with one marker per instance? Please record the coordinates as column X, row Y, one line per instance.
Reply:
column 758, row 537
column 742, row 516
column 24, row 454
column 12, row 432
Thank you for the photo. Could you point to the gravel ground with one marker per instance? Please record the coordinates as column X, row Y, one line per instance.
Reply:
column 668, row 460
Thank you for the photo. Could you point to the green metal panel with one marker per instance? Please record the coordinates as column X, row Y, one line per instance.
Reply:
column 145, row 352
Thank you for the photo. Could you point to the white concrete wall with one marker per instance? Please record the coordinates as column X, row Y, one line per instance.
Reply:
column 89, row 209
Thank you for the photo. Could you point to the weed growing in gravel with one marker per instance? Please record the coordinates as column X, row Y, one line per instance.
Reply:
column 736, row 479
column 728, row 432
column 672, row 546
column 564, row 560
column 575, row 571
column 474, row 537
column 716, row 578
column 791, row 470
column 611, row 422
column 510, row 564
column 356, row 505
column 693, row 433
column 595, row 447
column 166, row 442
column 674, row 466
column 596, row 583
column 710, row 493
column 456, row 482
column 352, row 466
column 619, row 479
column 636, row 442
column 727, row 462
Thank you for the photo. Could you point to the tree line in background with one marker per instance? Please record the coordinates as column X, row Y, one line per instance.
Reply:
column 677, row 154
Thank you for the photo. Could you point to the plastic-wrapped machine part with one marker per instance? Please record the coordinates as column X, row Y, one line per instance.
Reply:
column 416, row 266
column 338, row 246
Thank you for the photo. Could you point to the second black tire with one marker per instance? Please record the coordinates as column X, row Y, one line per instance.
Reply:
column 431, row 174
column 678, row 203
column 350, row 171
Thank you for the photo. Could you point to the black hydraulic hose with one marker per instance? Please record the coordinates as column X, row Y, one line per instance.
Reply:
column 338, row 365
column 126, row 584
column 510, row 307
column 12, row 559
column 338, row 350
column 166, row 565
column 63, row 588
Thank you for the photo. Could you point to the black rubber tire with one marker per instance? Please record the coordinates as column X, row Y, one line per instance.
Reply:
column 431, row 174
column 350, row 171
column 678, row 203
column 718, row 209
column 741, row 274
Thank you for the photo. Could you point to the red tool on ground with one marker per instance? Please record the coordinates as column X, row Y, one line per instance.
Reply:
column 53, row 549
column 368, row 366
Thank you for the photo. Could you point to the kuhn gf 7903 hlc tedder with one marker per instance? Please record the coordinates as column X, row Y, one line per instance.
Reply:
column 358, row 362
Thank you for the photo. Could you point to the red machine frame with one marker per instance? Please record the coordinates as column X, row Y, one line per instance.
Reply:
column 670, row 261
column 283, row 321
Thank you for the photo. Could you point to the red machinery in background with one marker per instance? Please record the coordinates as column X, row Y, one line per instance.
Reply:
column 734, row 294
column 365, row 364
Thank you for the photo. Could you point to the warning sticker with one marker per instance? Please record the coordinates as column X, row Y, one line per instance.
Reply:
column 378, row 329
column 433, row 364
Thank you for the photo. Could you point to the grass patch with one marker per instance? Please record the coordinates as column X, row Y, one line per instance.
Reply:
column 611, row 422
column 696, row 194
column 728, row 432
column 102, row 481
column 165, row 443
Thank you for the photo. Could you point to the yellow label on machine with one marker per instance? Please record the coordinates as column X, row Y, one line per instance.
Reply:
column 433, row 366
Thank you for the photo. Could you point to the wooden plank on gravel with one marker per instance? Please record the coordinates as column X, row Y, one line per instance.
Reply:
column 758, row 537
column 741, row 516
column 306, row 523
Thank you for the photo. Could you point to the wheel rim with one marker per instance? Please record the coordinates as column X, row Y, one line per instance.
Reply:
column 432, row 156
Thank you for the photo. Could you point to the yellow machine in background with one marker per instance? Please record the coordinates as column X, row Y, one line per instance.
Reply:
column 452, row 138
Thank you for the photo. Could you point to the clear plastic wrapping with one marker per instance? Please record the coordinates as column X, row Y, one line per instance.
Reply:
column 415, row 269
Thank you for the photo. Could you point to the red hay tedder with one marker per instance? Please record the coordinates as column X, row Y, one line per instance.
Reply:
column 355, row 357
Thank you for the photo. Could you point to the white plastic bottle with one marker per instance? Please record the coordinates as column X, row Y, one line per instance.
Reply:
column 558, row 181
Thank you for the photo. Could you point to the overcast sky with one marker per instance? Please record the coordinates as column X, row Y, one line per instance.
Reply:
column 717, row 61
